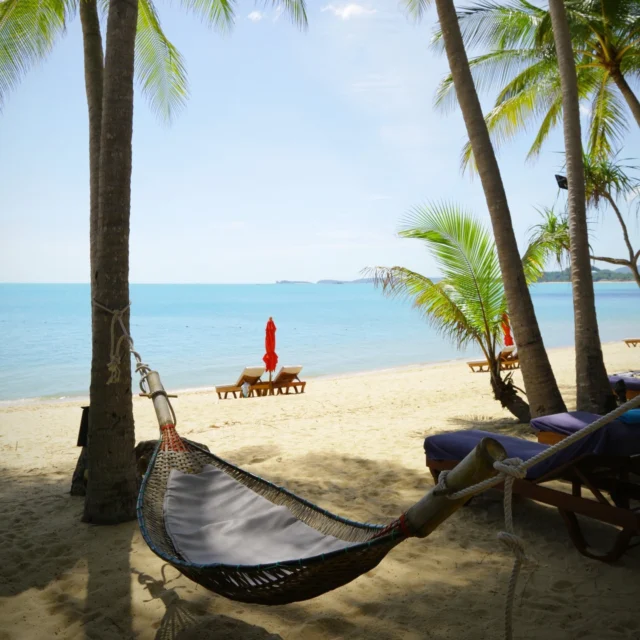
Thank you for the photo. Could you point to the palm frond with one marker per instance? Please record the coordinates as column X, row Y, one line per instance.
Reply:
column 608, row 120
column 534, row 260
column 437, row 302
column 159, row 67
column 498, row 25
column 466, row 256
column 549, row 122
column 28, row 31
column 550, row 237
column 488, row 70
column 416, row 8
column 606, row 177
column 220, row 14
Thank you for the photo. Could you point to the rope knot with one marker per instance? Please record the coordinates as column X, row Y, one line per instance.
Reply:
column 115, row 359
column 515, row 544
column 511, row 467
column 442, row 489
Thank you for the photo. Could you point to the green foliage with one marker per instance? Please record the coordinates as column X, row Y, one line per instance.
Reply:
column 608, row 179
column 159, row 66
column 521, row 64
column 551, row 235
column 468, row 303
column 599, row 275
column 28, row 31
column 30, row 28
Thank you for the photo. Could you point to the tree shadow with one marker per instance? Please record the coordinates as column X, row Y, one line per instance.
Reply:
column 410, row 595
column 503, row 426
column 189, row 619
column 44, row 542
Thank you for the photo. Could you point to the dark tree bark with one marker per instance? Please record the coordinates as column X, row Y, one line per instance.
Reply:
column 93, row 79
column 627, row 93
column 112, row 486
column 540, row 383
column 593, row 388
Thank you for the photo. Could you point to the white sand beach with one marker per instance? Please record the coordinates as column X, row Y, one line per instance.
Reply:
column 353, row 445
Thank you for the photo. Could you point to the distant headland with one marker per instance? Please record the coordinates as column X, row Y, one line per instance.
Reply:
column 359, row 281
column 623, row 274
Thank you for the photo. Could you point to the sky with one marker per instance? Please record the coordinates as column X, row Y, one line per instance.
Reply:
column 296, row 157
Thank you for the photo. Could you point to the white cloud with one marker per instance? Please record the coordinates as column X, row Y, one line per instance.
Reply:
column 279, row 10
column 346, row 11
column 255, row 16
column 585, row 110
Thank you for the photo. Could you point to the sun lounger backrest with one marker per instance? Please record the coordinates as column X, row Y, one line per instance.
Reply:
column 287, row 374
column 251, row 375
column 508, row 353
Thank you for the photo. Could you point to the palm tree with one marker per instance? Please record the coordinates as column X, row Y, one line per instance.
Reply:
column 112, row 486
column 521, row 63
column 553, row 233
column 540, row 384
column 605, row 181
column 468, row 304
column 28, row 30
column 592, row 384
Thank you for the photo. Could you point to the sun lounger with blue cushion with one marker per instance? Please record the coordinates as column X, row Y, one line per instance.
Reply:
column 630, row 380
column 556, row 427
column 601, row 462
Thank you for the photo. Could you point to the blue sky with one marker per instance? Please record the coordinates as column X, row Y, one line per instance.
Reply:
column 295, row 158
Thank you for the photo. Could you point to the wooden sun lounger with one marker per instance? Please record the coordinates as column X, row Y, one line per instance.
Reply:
column 599, row 475
column 250, row 375
column 288, row 379
column 507, row 358
column 632, row 342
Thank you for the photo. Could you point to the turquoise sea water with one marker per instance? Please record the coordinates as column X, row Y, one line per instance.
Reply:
column 202, row 335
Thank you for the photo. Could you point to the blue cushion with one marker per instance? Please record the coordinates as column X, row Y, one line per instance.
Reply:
column 630, row 417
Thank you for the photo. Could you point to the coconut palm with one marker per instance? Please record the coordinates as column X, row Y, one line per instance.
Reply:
column 28, row 31
column 521, row 62
column 468, row 304
column 552, row 232
column 606, row 181
column 540, row 384
column 592, row 384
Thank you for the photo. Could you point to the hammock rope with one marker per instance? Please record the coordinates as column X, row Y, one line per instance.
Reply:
column 514, row 468
column 507, row 470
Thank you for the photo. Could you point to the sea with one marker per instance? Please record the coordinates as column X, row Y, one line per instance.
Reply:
column 202, row 335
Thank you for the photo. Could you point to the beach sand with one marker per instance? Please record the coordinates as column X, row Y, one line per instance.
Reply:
column 354, row 446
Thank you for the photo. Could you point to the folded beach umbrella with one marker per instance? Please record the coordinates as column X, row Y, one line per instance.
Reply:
column 270, row 358
column 506, row 329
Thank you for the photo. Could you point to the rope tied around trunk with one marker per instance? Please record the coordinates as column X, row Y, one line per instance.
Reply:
column 115, row 348
column 508, row 471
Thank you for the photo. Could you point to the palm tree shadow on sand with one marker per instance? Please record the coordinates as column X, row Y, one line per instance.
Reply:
column 185, row 620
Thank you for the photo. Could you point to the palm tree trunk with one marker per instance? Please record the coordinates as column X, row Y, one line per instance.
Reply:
column 628, row 94
column 93, row 78
column 593, row 389
column 625, row 231
column 112, row 486
column 542, row 391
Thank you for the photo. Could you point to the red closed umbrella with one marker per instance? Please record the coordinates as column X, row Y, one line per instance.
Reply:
column 270, row 357
column 506, row 329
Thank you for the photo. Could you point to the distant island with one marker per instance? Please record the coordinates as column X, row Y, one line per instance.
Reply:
column 623, row 274
column 359, row 281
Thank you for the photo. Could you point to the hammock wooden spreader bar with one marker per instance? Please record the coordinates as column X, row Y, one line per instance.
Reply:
column 297, row 578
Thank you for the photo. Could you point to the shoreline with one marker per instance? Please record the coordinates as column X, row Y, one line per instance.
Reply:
column 353, row 446
column 195, row 390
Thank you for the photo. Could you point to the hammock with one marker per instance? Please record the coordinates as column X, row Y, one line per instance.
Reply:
column 357, row 547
